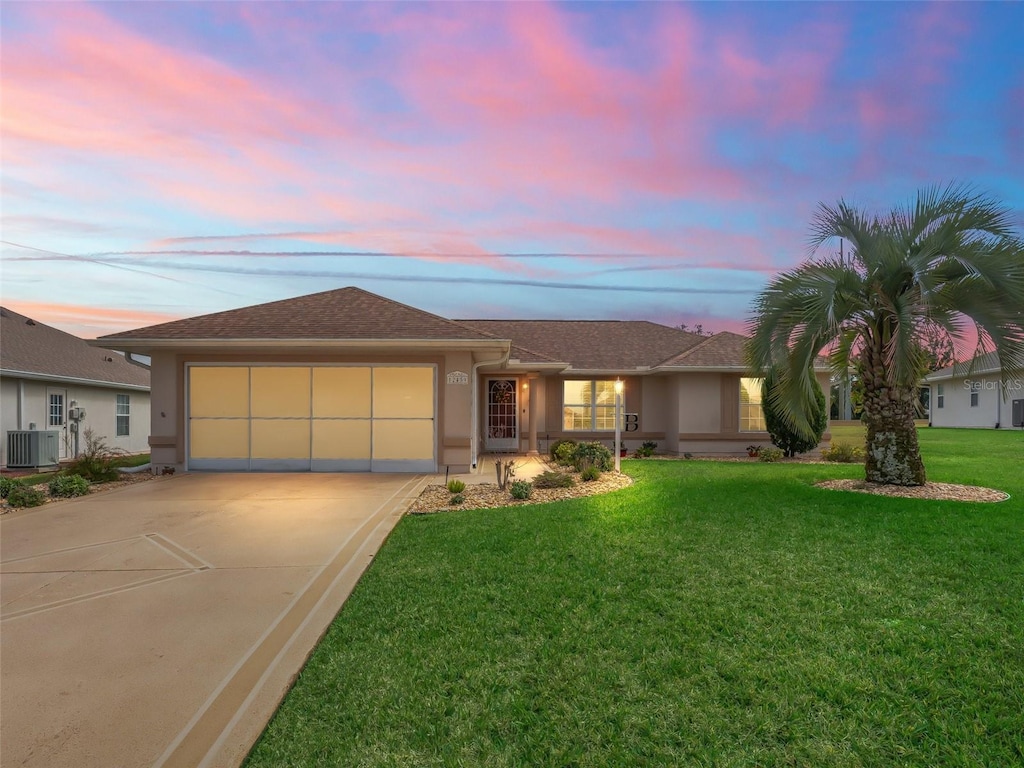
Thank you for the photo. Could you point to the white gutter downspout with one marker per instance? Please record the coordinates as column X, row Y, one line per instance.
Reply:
column 474, row 417
column 21, row 403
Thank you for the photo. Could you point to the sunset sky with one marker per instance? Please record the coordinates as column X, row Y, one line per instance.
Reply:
column 654, row 161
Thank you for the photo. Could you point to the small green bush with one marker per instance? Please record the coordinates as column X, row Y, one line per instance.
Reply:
column 563, row 451
column 554, row 480
column 844, row 453
column 595, row 454
column 521, row 489
column 646, row 449
column 7, row 484
column 25, row 496
column 590, row 473
column 457, row 499
column 66, row 486
column 770, row 455
column 456, row 486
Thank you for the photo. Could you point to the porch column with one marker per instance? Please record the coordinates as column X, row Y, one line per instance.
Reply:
column 533, row 382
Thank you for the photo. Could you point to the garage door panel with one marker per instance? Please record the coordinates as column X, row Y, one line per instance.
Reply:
column 403, row 439
column 280, row 439
column 341, row 439
column 280, row 392
column 341, row 393
column 219, row 439
column 403, row 393
column 219, row 392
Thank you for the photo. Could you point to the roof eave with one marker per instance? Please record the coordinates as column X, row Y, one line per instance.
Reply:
column 36, row 376
column 140, row 345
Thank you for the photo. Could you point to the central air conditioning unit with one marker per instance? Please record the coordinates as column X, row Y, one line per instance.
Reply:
column 32, row 448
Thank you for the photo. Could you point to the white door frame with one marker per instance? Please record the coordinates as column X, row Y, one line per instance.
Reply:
column 62, row 428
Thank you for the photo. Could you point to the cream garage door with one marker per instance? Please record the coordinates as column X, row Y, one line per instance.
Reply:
column 322, row 418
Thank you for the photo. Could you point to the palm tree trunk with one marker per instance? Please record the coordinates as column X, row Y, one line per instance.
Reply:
column 893, row 456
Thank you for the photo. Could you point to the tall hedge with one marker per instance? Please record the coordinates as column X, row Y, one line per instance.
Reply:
column 782, row 434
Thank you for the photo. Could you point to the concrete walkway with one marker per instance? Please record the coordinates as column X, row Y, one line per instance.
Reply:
column 160, row 624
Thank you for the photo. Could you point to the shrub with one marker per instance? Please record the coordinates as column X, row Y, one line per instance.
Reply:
column 554, row 480
column 97, row 463
column 592, row 454
column 844, row 453
column 563, row 451
column 7, row 484
column 25, row 496
column 646, row 449
column 769, row 455
column 590, row 473
column 456, row 486
column 457, row 499
column 521, row 489
column 66, row 486
column 782, row 432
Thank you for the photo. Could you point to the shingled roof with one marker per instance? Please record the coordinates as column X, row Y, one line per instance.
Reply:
column 593, row 344
column 31, row 347
column 724, row 349
column 343, row 314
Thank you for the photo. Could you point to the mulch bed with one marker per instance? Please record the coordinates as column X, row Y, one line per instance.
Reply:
column 931, row 491
column 436, row 498
column 125, row 479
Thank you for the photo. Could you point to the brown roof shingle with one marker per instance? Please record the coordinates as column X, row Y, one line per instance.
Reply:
column 29, row 346
column 593, row 344
column 724, row 349
column 344, row 313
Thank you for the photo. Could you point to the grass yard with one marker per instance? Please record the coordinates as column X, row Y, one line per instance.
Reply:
column 712, row 614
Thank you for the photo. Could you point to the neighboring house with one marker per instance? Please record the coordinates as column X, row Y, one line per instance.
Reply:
column 974, row 395
column 45, row 373
column 346, row 380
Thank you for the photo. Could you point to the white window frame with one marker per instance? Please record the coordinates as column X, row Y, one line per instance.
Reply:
column 975, row 399
column 120, row 414
column 593, row 406
column 745, row 408
column 55, row 414
column 940, row 396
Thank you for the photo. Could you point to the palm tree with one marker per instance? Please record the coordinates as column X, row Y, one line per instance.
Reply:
column 949, row 263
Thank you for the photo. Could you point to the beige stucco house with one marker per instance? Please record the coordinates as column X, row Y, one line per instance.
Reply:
column 51, row 381
column 346, row 380
column 975, row 395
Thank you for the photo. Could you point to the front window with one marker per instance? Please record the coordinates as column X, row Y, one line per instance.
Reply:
column 123, row 415
column 588, row 406
column 940, row 396
column 751, row 414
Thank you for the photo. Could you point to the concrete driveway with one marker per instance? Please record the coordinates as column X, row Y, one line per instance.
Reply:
column 160, row 624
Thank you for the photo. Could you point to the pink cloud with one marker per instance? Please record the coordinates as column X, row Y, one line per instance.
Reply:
column 85, row 321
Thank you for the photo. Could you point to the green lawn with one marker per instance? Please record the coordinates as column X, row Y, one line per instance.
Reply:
column 712, row 614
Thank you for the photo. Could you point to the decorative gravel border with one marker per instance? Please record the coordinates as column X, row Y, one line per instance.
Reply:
column 436, row 498
column 931, row 491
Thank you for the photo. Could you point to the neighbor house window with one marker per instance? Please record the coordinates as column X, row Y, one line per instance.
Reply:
column 974, row 399
column 940, row 396
column 588, row 405
column 123, row 414
column 751, row 415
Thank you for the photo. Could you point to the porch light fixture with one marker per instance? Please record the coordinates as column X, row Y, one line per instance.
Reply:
column 618, row 423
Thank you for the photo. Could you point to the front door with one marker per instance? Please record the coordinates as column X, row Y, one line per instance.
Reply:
column 57, row 416
column 502, row 422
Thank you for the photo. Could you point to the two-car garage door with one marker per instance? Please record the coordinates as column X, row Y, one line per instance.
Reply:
column 324, row 418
